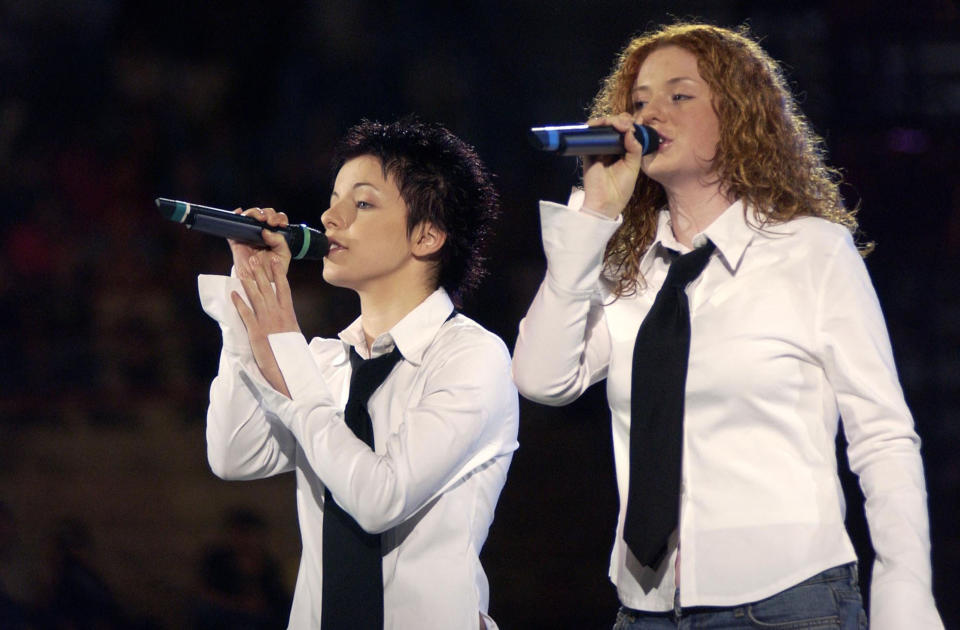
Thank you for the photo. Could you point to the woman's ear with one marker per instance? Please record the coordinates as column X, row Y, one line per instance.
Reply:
column 427, row 239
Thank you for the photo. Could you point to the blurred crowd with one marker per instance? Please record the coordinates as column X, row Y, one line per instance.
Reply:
column 105, row 105
column 238, row 583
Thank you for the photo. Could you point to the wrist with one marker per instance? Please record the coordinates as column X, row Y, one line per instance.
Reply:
column 596, row 208
column 600, row 215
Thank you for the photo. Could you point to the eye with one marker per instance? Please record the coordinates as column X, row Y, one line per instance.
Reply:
column 638, row 105
column 363, row 205
column 681, row 97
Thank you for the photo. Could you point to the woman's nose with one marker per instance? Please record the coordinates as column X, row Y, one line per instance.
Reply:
column 327, row 219
column 336, row 216
column 651, row 111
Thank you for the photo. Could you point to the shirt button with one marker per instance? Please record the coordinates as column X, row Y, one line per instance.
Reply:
column 699, row 241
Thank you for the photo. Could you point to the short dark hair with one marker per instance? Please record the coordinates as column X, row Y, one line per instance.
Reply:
column 443, row 181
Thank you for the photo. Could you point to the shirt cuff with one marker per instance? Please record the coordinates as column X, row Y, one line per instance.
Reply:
column 575, row 202
column 216, row 302
column 574, row 243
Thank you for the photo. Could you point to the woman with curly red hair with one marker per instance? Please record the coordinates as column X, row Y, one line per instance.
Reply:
column 717, row 287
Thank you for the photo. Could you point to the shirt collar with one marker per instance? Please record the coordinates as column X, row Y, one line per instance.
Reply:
column 411, row 335
column 730, row 232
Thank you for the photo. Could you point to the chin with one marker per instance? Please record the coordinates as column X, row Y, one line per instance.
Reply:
column 335, row 279
column 655, row 174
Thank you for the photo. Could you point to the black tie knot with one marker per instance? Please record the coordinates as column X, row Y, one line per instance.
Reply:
column 367, row 376
column 687, row 267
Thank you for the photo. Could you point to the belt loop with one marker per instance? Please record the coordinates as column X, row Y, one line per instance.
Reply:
column 676, row 606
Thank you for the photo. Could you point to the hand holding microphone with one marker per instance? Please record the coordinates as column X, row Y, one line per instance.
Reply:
column 612, row 150
column 263, row 244
column 305, row 242
column 272, row 254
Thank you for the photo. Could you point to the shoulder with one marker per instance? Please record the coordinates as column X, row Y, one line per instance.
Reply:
column 462, row 338
column 813, row 236
column 465, row 359
column 820, row 229
column 461, row 330
column 824, row 254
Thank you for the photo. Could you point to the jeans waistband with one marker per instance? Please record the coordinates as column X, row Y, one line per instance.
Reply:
column 843, row 572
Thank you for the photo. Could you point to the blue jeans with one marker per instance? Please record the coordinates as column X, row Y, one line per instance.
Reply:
column 829, row 600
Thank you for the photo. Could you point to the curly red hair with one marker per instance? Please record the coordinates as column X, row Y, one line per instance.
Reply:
column 767, row 156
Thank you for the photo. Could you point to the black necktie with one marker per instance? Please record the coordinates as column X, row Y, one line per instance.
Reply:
column 660, row 357
column 352, row 559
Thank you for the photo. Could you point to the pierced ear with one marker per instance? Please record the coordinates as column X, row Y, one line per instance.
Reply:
column 428, row 239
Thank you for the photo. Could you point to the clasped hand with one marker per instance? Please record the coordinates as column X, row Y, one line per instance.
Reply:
column 271, row 306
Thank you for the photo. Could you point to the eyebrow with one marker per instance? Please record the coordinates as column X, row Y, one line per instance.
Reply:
column 355, row 186
column 673, row 81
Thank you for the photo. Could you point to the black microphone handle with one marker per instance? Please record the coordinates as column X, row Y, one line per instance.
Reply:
column 587, row 140
column 305, row 242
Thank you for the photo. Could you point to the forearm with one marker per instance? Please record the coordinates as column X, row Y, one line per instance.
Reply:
column 457, row 425
column 901, row 590
column 883, row 446
column 563, row 345
column 243, row 440
column 551, row 362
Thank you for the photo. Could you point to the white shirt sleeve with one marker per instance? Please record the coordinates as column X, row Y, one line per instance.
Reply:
column 243, row 440
column 883, row 448
column 563, row 345
column 456, row 426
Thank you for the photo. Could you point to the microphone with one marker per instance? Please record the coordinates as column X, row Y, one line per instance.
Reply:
column 586, row 140
column 305, row 242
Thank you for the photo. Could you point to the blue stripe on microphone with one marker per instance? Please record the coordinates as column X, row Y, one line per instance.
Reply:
column 553, row 139
column 180, row 211
column 645, row 141
column 306, row 243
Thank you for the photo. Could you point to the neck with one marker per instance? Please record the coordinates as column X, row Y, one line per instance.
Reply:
column 694, row 209
column 383, row 306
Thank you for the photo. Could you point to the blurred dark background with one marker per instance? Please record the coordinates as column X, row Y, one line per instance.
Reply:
column 109, row 516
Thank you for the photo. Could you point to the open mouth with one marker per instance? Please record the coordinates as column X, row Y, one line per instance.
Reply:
column 335, row 246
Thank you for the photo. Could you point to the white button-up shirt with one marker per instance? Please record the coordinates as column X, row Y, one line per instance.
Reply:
column 445, row 428
column 786, row 337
